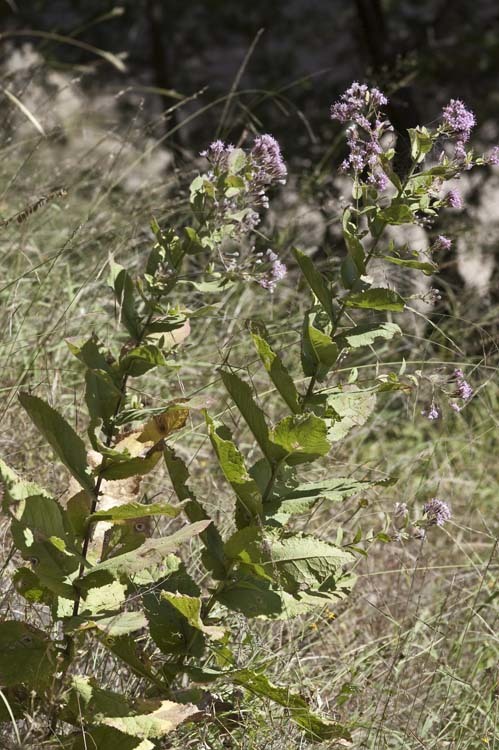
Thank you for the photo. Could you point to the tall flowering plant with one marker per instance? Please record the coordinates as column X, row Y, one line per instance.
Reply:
column 84, row 556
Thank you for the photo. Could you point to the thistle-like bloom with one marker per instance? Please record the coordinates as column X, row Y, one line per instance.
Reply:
column 437, row 512
column 267, row 160
column 217, row 154
column 361, row 105
column 493, row 157
column 275, row 273
column 351, row 104
column 432, row 413
column 442, row 243
column 459, row 120
column 454, row 199
column 463, row 389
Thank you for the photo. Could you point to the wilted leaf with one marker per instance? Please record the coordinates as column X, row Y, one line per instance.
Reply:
column 150, row 554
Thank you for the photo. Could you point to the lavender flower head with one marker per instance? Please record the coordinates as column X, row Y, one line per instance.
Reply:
column 217, row 154
column 351, row 104
column 432, row 413
column 360, row 106
column 267, row 160
column 463, row 388
column 442, row 243
column 275, row 273
column 459, row 122
column 492, row 157
column 437, row 512
column 454, row 199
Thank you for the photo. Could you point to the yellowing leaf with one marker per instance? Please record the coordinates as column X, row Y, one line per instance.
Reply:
column 164, row 719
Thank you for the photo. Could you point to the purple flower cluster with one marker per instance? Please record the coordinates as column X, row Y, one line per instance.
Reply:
column 492, row 157
column 217, row 154
column 263, row 167
column 276, row 272
column 361, row 105
column 266, row 157
column 432, row 413
column 454, row 199
column 437, row 511
column 463, row 388
column 352, row 104
column 442, row 243
column 459, row 121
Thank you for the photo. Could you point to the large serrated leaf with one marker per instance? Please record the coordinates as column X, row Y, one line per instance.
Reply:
column 214, row 556
column 293, row 560
column 130, row 511
column 304, row 438
column 366, row 335
column 190, row 608
column 63, row 439
column 231, row 462
column 275, row 367
column 319, row 352
column 376, row 298
column 27, row 655
column 351, row 407
column 304, row 497
column 254, row 417
column 316, row 281
column 150, row 554
column 15, row 488
column 316, row 727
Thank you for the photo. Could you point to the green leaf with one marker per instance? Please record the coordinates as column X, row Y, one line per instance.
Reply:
column 292, row 560
column 427, row 268
column 319, row 352
column 15, row 488
column 249, row 505
column 254, row 417
column 28, row 655
column 236, row 161
column 421, row 143
column 190, row 608
column 304, row 497
column 304, row 438
column 62, row 438
column 153, row 552
column 274, row 366
column 106, row 738
column 119, row 624
column 358, row 336
column 130, row 511
column 143, row 358
column 316, row 281
column 102, row 397
column 351, row 407
column 376, row 299
column 397, row 213
column 214, row 557
column 316, row 727
column 121, row 281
